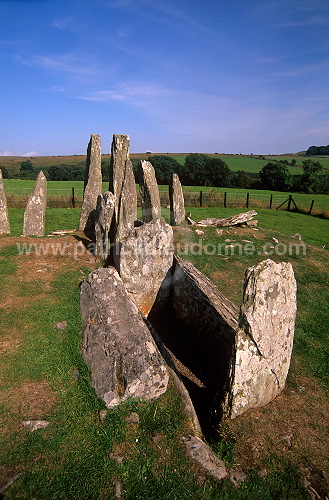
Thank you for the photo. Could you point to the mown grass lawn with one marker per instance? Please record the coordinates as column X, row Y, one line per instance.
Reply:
column 42, row 375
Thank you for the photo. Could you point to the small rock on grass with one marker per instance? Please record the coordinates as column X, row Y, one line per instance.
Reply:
column 133, row 418
column 237, row 477
column 61, row 325
column 33, row 425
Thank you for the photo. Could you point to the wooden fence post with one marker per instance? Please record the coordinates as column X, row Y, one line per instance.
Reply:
column 271, row 199
column 247, row 203
column 289, row 202
column 200, row 198
column 225, row 194
column 310, row 211
column 73, row 198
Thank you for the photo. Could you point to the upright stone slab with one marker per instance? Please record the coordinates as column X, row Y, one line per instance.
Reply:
column 4, row 220
column 149, row 189
column 34, row 215
column 92, row 185
column 104, row 214
column 123, row 186
column 117, row 346
column 265, row 338
column 176, row 199
column 144, row 259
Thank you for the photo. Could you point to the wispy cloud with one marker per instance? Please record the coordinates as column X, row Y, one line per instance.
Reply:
column 10, row 153
column 67, row 63
column 303, row 70
column 6, row 153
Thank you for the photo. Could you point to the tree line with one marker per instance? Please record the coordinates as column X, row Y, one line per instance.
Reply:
column 200, row 170
column 318, row 151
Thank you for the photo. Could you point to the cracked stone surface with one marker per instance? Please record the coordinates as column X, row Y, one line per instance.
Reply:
column 265, row 337
column 34, row 215
column 92, row 185
column 176, row 199
column 144, row 261
column 149, row 190
column 203, row 454
column 122, row 185
column 4, row 220
column 117, row 345
column 104, row 214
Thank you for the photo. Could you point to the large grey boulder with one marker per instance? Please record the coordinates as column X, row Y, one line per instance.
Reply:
column 143, row 262
column 149, row 190
column 4, row 220
column 117, row 346
column 34, row 215
column 104, row 214
column 265, row 337
column 176, row 199
column 123, row 186
column 92, row 185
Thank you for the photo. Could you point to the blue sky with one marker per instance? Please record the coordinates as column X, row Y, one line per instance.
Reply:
column 226, row 76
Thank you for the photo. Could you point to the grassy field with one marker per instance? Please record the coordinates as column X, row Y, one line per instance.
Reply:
column 17, row 192
column 42, row 376
column 248, row 163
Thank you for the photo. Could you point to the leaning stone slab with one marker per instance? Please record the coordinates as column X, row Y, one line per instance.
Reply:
column 212, row 320
column 265, row 338
column 149, row 190
column 176, row 199
column 104, row 213
column 92, row 185
column 117, row 345
column 144, row 260
column 4, row 220
column 34, row 215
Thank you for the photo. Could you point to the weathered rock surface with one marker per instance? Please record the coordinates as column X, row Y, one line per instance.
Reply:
column 34, row 215
column 144, row 260
column 203, row 454
column 92, row 185
column 122, row 184
column 104, row 214
column 176, row 199
column 149, row 190
column 265, row 338
column 117, row 345
column 127, row 209
column 4, row 220
column 213, row 321
column 242, row 218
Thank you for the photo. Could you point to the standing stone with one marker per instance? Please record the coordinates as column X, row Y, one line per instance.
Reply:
column 34, row 215
column 149, row 189
column 92, row 185
column 176, row 199
column 104, row 213
column 265, row 338
column 117, row 345
column 122, row 184
column 145, row 258
column 4, row 220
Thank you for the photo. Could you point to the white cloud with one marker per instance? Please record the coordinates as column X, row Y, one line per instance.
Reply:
column 6, row 153
column 31, row 153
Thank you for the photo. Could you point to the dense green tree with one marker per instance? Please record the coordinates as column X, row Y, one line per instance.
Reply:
column 240, row 179
column 275, row 176
column 310, row 181
column 164, row 167
column 217, row 172
column 318, row 150
column 193, row 171
column 26, row 166
column 5, row 173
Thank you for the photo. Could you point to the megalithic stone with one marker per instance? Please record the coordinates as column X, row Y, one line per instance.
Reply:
column 122, row 184
column 265, row 339
column 4, row 220
column 104, row 214
column 34, row 215
column 176, row 200
column 92, row 185
column 149, row 189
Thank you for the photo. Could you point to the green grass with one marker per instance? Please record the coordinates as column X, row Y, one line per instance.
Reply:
column 71, row 458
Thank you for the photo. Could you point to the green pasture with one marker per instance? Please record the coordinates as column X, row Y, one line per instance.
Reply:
column 16, row 188
column 73, row 457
